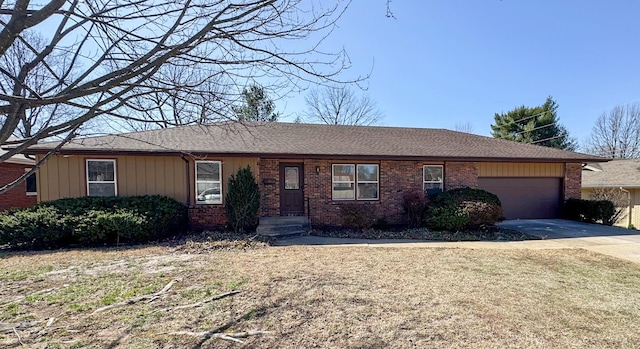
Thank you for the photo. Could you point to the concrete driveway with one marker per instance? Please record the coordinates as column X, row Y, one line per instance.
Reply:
column 613, row 241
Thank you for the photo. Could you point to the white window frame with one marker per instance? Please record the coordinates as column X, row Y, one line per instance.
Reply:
column 354, row 182
column 441, row 182
column 219, row 181
column 333, row 168
column 115, row 175
column 377, row 182
column 30, row 193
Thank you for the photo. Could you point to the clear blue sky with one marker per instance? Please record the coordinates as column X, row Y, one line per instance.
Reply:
column 443, row 62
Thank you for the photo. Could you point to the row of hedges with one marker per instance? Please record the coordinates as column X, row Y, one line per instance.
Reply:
column 452, row 210
column 591, row 211
column 93, row 221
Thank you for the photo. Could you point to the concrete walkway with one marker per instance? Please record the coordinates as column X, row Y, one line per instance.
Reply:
column 556, row 234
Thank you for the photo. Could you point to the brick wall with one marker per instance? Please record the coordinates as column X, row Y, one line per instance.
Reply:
column 269, row 182
column 573, row 181
column 17, row 196
column 396, row 179
column 207, row 216
column 460, row 175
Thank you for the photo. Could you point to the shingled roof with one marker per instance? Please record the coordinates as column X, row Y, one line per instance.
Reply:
column 314, row 140
column 613, row 174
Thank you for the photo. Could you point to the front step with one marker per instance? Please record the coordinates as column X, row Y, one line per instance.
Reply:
column 283, row 226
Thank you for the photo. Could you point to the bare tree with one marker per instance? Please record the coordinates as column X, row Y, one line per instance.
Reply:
column 466, row 127
column 617, row 196
column 616, row 133
column 121, row 59
column 338, row 105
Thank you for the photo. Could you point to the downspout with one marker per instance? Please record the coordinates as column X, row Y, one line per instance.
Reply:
column 186, row 170
column 628, row 205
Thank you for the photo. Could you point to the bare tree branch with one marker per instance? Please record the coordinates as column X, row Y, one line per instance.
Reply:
column 153, row 63
column 338, row 105
column 616, row 133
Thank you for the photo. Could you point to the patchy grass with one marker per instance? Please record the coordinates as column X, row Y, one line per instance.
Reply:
column 328, row 297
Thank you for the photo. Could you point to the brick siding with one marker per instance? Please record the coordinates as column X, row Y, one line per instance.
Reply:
column 16, row 197
column 460, row 175
column 573, row 181
column 396, row 179
column 269, row 182
column 207, row 216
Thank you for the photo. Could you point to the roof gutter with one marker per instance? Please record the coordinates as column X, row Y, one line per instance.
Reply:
column 312, row 156
column 188, row 179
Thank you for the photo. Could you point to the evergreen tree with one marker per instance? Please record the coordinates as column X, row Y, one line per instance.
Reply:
column 257, row 105
column 242, row 201
column 538, row 125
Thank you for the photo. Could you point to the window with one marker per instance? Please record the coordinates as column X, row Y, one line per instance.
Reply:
column 101, row 178
column 355, row 182
column 32, row 188
column 291, row 178
column 433, row 177
column 208, row 182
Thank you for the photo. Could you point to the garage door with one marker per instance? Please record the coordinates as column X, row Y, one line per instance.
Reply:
column 526, row 197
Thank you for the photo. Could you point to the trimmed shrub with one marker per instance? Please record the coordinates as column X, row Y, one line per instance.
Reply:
column 93, row 221
column 358, row 216
column 242, row 201
column 448, row 218
column 415, row 205
column 481, row 207
column 590, row 211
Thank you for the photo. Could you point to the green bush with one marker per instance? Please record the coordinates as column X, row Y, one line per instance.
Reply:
column 242, row 201
column 93, row 221
column 590, row 211
column 358, row 216
column 481, row 207
column 448, row 218
column 415, row 205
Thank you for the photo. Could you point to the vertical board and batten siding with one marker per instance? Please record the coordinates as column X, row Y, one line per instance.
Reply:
column 635, row 209
column 507, row 169
column 64, row 176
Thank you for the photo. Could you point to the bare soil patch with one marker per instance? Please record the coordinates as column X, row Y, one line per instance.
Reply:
column 319, row 297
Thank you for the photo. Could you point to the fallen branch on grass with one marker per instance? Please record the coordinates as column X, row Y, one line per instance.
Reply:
column 231, row 336
column 8, row 328
column 148, row 297
column 201, row 303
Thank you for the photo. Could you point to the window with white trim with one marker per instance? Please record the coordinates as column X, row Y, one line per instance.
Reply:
column 433, row 176
column 208, row 182
column 355, row 182
column 101, row 177
column 30, row 181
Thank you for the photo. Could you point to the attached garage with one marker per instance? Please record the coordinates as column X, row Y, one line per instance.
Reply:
column 526, row 190
column 525, row 198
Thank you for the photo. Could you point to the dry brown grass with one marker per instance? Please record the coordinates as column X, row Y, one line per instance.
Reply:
column 325, row 297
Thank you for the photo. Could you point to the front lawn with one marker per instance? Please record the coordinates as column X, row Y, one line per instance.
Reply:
column 323, row 297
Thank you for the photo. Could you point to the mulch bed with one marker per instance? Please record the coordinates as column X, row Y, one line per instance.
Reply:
column 485, row 233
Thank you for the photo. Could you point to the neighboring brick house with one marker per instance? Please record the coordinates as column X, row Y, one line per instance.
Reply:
column 313, row 170
column 23, row 195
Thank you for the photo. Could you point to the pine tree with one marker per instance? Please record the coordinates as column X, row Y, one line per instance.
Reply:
column 538, row 125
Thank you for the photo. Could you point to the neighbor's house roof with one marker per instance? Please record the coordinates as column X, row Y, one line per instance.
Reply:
column 613, row 174
column 314, row 140
column 18, row 158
